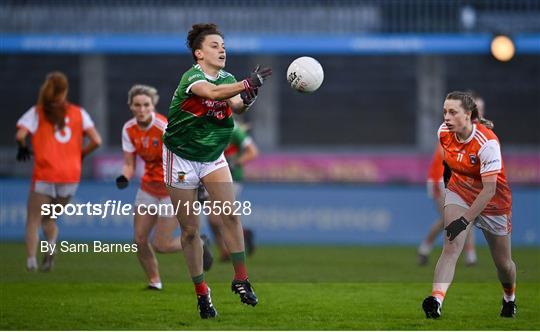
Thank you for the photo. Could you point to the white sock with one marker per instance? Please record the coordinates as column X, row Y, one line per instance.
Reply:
column 470, row 256
column 425, row 248
column 157, row 285
column 509, row 298
column 31, row 263
column 51, row 243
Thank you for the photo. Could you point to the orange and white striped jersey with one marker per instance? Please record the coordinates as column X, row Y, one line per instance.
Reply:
column 57, row 153
column 148, row 144
column 479, row 155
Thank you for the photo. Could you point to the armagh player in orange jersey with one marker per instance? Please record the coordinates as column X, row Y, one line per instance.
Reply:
column 57, row 128
column 477, row 194
column 435, row 188
column 142, row 135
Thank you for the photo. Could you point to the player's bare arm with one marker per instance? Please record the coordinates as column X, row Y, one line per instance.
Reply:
column 249, row 153
column 20, row 136
column 217, row 92
column 129, row 165
column 237, row 104
column 490, row 185
column 94, row 142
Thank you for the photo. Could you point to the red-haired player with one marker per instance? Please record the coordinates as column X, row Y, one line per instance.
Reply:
column 57, row 128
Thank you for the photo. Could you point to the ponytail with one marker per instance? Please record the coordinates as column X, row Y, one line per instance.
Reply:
column 467, row 102
column 51, row 98
column 487, row 123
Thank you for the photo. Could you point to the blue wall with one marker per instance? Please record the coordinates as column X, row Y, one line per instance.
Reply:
column 286, row 213
column 478, row 43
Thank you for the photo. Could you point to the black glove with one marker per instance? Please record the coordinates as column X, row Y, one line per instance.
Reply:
column 122, row 182
column 455, row 227
column 202, row 194
column 249, row 96
column 257, row 78
column 447, row 174
column 23, row 153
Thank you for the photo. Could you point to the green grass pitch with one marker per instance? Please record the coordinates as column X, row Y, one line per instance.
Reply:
column 299, row 287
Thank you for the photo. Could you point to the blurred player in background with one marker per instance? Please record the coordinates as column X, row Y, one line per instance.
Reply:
column 477, row 193
column 142, row 135
column 199, row 129
column 435, row 188
column 241, row 150
column 58, row 128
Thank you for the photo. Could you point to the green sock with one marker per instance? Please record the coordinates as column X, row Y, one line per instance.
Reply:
column 239, row 263
column 198, row 279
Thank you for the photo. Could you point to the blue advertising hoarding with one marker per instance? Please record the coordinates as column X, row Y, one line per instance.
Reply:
column 282, row 213
column 265, row 44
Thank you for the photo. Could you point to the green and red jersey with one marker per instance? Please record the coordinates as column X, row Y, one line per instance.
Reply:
column 239, row 140
column 199, row 129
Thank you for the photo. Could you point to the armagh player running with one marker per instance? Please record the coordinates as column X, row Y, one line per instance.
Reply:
column 142, row 135
column 199, row 129
column 435, row 187
column 478, row 194
column 57, row 128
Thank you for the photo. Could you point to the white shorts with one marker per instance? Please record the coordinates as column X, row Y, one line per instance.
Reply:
column 147, row 199
column 495, row 224
column 55, row 190
column 187, row 174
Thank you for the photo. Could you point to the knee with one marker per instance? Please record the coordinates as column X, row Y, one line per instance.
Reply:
column 159, row 246
column 506, row 265
column 35, row 218
column 46, row 221
column 214, row 220
column 34, row 222
column 230, row 219
column 451, row 250
column 190, row 233
column 141, row 240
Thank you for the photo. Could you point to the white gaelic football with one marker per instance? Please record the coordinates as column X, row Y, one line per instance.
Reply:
column 305, row 74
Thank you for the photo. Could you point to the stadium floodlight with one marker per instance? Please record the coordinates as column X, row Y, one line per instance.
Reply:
column 503, row 48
